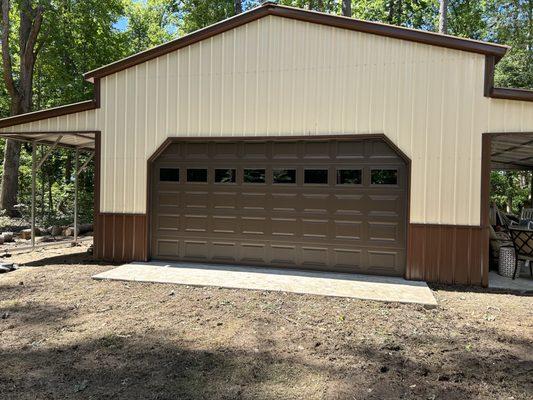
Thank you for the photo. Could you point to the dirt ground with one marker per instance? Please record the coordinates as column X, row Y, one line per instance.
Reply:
column 64, row 335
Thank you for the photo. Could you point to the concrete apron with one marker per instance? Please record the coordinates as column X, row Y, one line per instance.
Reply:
column 366, row 287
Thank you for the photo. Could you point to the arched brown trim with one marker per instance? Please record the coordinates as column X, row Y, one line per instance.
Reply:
column 378, row 136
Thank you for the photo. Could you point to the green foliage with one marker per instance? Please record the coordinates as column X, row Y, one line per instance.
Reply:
column 197, row 14
column 150, row 23
column 511, row 190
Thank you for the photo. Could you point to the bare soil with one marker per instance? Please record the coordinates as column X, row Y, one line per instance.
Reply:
column 66, row 336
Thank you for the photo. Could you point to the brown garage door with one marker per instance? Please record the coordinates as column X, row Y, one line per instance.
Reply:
column 324, row 204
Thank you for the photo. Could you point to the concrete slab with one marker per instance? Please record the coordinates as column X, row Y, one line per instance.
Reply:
column 523, row 284
column 367, row 287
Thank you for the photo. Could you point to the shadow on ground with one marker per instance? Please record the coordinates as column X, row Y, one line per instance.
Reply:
column 71, row 259
column 130, row 367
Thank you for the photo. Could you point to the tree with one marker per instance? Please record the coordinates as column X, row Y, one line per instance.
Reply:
column 150, row 23
column 443, row 16
column 237, row 6
column 19, row 84
column 347, row 8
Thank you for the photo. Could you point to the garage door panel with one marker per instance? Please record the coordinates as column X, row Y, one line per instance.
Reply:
column 195, row 223
column 224, row 251
column 350, row 150
column 342, row 225
column 283, row 254
column 384, row 231
column 316, row 150
column 225, row 224
column 168, row 222
column 168, row 199
column 350, row 230
column 253, row 253
column 196, row 151
column 255, row 151
column 253, row 226
column 196, row 199
column 350, row 204
column 225, row 151
column 224, row 200
column 253, row 201
column 168, row 248
column 284, row 227
column 195, row 249
column 285, row 150
column 284, row 201
column 382, row 261
column 315, row 228
column 347, row 259
column 315, row 256
column 315, row 202
column 386, row 205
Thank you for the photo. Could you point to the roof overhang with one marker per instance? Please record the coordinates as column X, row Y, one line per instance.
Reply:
column 84, row 141
column 49, row 113
column 269, row 8
column 512, row 151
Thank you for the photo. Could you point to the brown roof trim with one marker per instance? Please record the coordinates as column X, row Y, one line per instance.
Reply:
column 502, row 93
column 268, row 8
column 49, row 113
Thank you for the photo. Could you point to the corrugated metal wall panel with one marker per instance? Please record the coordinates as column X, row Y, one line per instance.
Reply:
column 277, row 76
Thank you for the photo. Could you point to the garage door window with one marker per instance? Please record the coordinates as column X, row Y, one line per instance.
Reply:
column 197, row 175
column 254, row 175
column 384, row 177
column 169, row 175
column 284, row 176
column 349, row 177
column 225, row 175
column 316, row 176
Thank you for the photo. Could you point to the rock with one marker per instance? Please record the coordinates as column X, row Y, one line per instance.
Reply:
column 5, row 315
column 82, row 228
column 4, row 269
column 45, row 239
column 26, row 233
column 56, row 230
column 384, row 369
column 7, row 236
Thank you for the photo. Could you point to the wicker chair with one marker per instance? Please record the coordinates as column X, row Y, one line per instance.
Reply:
column 523, row 247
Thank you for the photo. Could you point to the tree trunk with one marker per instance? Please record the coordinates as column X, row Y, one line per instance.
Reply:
column 390, row 12
column 10, row 182
column 347, row 8
column 237, row 5
column 30, row 20
column 50, row 197
column 68, row 167
column 443, row 17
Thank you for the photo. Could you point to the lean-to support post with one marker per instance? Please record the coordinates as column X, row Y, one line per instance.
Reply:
column 76, row 167
column 33, row 177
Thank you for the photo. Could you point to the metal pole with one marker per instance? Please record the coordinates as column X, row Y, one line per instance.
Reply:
column 76, row 196
column 33, row 176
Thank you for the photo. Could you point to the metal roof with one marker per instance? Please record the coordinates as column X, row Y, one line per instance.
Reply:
column 512, row 151
column 73, row 140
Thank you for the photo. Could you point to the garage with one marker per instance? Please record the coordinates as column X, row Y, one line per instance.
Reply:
column 326, row 204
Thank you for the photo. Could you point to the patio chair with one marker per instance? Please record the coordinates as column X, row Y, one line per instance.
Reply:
column 527, row 213
column 523, row 247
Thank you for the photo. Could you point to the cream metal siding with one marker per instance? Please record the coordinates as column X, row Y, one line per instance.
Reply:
column 277, row 76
